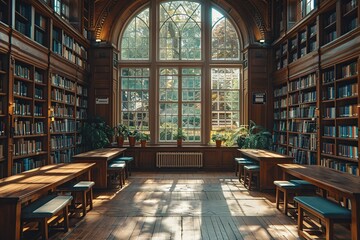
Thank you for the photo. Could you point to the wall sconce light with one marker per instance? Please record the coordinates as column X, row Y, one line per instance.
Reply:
column 262, row 40
column 98, row 40
column 51, row 114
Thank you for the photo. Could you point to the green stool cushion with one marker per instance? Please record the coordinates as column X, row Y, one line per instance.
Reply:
column 127, row 159
column 46, row 206
column 324, row 207
column 80, row 186
column 286, row 184
column 252, row 167
column 303, row 183
column 116, row 166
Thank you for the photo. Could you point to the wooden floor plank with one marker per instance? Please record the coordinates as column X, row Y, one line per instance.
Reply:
column 182, row 206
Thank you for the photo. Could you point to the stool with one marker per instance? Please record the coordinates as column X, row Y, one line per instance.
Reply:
column 287, row 188
column 117, row 168
column 83, row 187
column 241, row 164
column 251, row 172
column 237, row 164
column 128, row 161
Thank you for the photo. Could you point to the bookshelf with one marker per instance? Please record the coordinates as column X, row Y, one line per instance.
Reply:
column 3, row 113
column 23, row 16
column 349, row 15
column 29, row 117
column 339, row 117
column 302, row 102
column 62, row 114
column 66, row 46
column 81, row 113
column 40, row 29
column 280, row 118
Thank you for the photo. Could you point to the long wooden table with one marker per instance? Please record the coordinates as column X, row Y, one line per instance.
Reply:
column 30, row 185
column 268, row 161
column 101, row 157
column 333, row 181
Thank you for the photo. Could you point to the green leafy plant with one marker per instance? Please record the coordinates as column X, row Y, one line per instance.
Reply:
column 121, row 130
column 133, row 133
column 256, row 137
column 143, row 136
column 218, row 136
column 96, row 133
column 180, row 134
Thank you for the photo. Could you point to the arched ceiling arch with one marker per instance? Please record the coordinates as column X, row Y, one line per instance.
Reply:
column 251, row 17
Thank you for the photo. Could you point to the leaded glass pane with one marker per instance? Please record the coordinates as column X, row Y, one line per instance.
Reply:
column 180, row 31
column 135, row 98
column 135, row 40
column 225, row 84
column 225, row 42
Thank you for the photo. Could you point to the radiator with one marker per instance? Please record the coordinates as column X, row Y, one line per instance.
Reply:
column 179, row 159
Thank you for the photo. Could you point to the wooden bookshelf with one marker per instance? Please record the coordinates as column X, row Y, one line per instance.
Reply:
column 349, row 15
column 81, row 113
column 339, row 117
column 3, row 113
column 280, row 118
column 28, row 117
column 23, row 17
column 4, row 11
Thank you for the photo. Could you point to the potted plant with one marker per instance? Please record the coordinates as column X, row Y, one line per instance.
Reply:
column 218, row 138
column 96, row 134
column 121, row 133
column 143, row 138
column 257, row 138
column 132, row 137
column 180, row 136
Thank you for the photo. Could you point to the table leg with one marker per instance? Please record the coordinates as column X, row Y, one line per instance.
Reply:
column 10, row 218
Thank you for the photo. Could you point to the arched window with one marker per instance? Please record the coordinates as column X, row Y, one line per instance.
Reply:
column 169, row 79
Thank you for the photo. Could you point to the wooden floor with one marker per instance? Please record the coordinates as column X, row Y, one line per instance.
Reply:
column 183, row 206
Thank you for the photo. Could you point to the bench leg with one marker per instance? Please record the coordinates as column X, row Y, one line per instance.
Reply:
column 90, row 199
column 83, row 202
column 43, row 227
column 277, row 197
column 329, row 229
column 66, row 218
column 285, row 202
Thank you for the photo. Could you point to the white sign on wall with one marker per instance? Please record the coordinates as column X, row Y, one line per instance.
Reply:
column 102, row 100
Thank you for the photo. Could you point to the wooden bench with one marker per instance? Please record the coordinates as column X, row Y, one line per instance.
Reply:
column 324, row 209
column 116, row 169
column 85, row 189
column 45, row 208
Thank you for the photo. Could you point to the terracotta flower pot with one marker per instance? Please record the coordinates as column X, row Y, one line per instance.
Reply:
column 218, row 143
column 143, row 143
column 132, row 141
column 179, row 142
column 120, row 141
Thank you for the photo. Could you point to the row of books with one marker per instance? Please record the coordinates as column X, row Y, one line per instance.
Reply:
column 62, row 82
column 38, row 110
column 329, row 112
column 60, row 142
column 39, row 77
column 303, row 157
column 302, row 126
column 22, row 71
column 303, row 82
column 28, row 128
column 302, row 97
column 349, row 70
column 350, row 25
column 328, row 93
column 25, row 147
column 348, row 151
column 329, row 37
column 26, row 164
column 60, row 111
column 302, row 112
column 350, row 6
column 70, row 43
column 280, row 126
column 81, row 114
column 23, row 27
column 342, row 166
column 348, row 90
column 20, row 89
column 330, row 19
column 39, row 93
column 328, row 76
column 64, row 156
column 280, row 149
column 279, row 138
column 22, row 109
column 81, row 90
column 280, row 115
column 303, row 141
column 348, row 111
column 278, row 92
column 329, row 131
column 62, row 126
column 348, row 131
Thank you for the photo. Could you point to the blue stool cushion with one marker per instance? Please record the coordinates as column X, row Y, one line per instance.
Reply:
column 116, row 165
column 324, row 207
column 303, row 183
column 128, row 159
column 286, row 184
column 80, row 186
column 240, row 159
column 244, row 162
column 252, row 167
column 46, row 206
column 117, row 161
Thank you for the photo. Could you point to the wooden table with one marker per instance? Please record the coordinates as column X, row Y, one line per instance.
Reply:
column 343, row 184
column 30, row 185
column 99, row 156
column 268, row 160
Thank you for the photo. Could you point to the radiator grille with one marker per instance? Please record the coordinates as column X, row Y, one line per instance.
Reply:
column 179, row 159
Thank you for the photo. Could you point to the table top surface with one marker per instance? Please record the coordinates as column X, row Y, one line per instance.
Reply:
column 259, row 153
column 101, row 153
column 24, row 185
column 325, row 178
